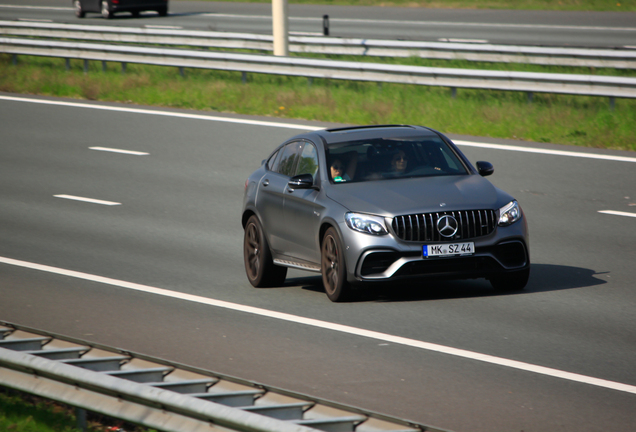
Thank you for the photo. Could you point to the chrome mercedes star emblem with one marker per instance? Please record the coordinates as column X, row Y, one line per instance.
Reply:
column 447, row 226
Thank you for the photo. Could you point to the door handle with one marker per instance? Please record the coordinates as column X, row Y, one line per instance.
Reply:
column 266, row 182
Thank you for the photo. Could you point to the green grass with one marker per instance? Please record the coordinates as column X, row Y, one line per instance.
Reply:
column 562, row 119
column 20, row 412
column 565, row 5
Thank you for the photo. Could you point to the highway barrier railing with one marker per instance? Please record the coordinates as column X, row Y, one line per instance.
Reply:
column 529, row 82
column 556, row 56
column 164, row 395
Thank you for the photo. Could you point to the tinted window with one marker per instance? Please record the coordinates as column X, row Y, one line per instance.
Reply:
column 379, row 159
column 289, row 157
column 272, row 163
column 308, row 163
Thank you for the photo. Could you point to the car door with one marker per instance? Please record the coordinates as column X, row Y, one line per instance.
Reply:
column 302, row 214
column 271, row 196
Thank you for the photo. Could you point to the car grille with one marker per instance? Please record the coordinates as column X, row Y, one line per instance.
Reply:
column 423, row 227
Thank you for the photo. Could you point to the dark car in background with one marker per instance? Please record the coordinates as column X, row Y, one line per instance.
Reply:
column 377, row 204
column 108, row 8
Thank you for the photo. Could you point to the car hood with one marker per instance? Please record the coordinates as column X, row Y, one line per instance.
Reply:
column 419, row 195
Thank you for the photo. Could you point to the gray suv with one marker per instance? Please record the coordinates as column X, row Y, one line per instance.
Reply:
column 380, row 203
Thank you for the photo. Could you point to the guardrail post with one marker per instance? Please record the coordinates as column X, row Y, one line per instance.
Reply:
column 14, row 59
column 612, row 103
column 103, row 66
column 123, row 67
column 310, row 81
column 181, row 72
column 85, row 66
column 80, row 414
column 244, row 77
column 67, row 64
column 325, row 25
column 453, row 92
column 530, row 96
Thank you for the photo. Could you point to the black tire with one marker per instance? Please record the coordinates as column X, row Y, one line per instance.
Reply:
column 515, row 281
column 333, row 268
column 163, row 11
column 259, row 267
column 107, row 13
column 136, row 14
column 79, row 12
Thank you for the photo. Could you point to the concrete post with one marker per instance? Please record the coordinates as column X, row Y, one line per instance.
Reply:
column 280, row 25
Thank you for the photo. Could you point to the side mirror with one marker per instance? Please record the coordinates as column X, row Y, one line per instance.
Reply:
column 302, row 181
column 485, row 168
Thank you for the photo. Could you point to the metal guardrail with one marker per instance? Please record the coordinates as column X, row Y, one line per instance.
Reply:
column 167, row 396
column 584, row 57
column 589, row 85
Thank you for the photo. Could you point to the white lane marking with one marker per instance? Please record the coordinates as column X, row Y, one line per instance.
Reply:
column 618, row 213
column 304, row 127
column 163, row 27
column 88, row 200
column 546, row 151
column 161, row 113
column 113, row 150
column 425, row 23
column 481, row 41
column 383, row 337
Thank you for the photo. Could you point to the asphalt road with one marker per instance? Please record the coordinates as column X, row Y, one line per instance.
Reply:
column 583, row 29
column 177, row 227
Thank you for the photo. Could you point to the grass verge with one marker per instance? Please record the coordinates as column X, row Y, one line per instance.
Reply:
column 562, row 119
column 565, row 5
column 21, row 412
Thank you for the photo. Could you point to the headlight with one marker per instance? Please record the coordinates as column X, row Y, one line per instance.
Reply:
column 509, row 214
column 367, row 224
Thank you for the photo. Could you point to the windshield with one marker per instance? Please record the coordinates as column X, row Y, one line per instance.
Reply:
column 377, row 159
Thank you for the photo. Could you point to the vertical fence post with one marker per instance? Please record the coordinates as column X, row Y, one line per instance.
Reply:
column 85, row 66
column 453, row 92
column 181, row 72
column 244, row 77
column 67, row 64
column 103, row 66
column 612, row 103
column 325, row 25
column 530, row 96
column 123, row 68
column 14, row 59
column 80, row 414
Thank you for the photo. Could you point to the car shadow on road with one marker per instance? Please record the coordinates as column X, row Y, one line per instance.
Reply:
column 543, row 278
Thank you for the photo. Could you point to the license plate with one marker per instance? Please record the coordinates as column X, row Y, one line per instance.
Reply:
column 449, row 249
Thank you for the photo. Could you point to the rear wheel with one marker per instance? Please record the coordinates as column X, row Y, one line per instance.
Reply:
column 515, row 281
column 106, row 12
column 79, row 12
column 259, row 267
column 334, row 271
column 163, row 11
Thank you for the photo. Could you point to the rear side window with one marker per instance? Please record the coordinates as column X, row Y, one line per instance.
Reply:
column 308, row 163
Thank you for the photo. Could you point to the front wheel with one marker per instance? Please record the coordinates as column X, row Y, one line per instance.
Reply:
column 163, row 11
column 334, row 271
column 106, row 12
column 259, row 267
column 515, row 281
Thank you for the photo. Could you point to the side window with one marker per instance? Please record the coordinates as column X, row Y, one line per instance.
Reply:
column 272, row 163
column 289, row 157
column 308, row 163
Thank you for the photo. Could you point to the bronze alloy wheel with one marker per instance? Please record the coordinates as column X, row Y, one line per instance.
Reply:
column 334, row 275
column 259, row 267
column 79, row 12
column 106, row 12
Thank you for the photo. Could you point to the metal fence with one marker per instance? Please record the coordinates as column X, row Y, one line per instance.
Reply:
column 590, row 85
column 584, row 57
column 167, row 396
